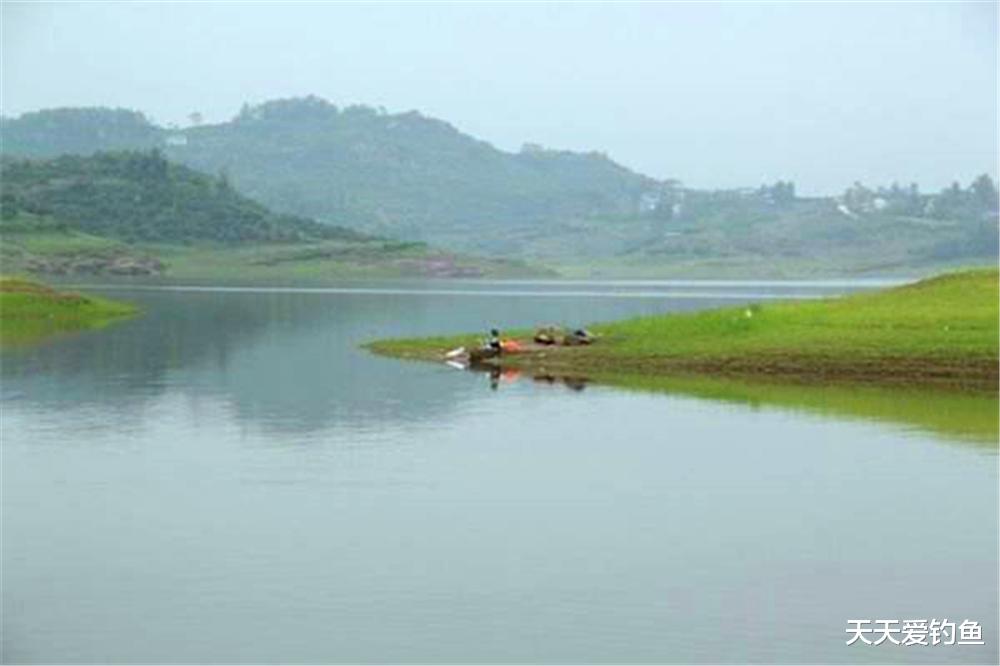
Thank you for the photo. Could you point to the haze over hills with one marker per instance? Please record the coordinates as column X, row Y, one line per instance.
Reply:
column 141, row 197
column 136, row 213
column 411, row 177
column 404, row 175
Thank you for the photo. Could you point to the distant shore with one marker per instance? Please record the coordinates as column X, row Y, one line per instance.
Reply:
column 941, row 331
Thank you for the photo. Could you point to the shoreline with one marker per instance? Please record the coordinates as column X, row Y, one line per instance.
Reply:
column 975, row 375
column 940, row 332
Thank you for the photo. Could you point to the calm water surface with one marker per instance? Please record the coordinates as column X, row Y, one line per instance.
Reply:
column 231, row 479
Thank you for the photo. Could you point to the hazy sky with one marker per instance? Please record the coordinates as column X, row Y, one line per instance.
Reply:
column 729, row 94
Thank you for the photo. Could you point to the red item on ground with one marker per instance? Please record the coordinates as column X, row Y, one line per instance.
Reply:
column 510, row 346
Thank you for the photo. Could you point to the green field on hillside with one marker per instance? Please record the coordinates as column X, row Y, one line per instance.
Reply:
column 74, row 254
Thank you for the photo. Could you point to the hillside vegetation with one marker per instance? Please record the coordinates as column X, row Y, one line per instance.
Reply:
column 136, row 213
column 140, row 196
column 404, row 175
column 83, row 131
column 410, row 177
column 941, row 330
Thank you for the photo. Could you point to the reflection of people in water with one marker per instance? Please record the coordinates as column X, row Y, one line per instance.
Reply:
column 499, row 375
column 573, row 383
column 507, row 376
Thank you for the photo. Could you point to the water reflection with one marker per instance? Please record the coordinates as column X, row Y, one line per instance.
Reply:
column 286, row 360
column 499, row 376
column 972, row 417
column 289, row 361
column 231, row 479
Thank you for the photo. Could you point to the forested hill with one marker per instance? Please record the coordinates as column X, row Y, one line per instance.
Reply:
column 402, row 175
column 140, row 196
column 83, row 131
column 410, row 177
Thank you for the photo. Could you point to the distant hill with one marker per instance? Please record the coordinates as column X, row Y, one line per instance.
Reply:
column 416, row 178
column 83, row 131
column 403, row 175
column 140, row 196
column 136, row 213
column 771, row 231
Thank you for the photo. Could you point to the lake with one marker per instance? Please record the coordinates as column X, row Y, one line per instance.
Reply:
column 230, row 478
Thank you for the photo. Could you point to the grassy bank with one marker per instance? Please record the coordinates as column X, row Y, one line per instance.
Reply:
column 940, row 331
column 68, row 252
column 320, row 263
column 30, row 311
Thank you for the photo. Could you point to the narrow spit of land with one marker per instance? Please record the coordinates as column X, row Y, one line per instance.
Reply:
column 940, row 331
column 30, row 311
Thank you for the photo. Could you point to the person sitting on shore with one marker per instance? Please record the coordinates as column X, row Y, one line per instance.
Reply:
column 494, row 341
column 580, row 336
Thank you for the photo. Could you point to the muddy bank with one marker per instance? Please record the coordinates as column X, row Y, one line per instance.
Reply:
column 112, row 262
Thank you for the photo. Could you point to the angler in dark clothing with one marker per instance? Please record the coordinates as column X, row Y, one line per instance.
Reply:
column 490, row 348
column 494, row 340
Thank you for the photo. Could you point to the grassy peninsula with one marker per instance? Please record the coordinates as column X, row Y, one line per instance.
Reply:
column 30, row 311
column 939, row 331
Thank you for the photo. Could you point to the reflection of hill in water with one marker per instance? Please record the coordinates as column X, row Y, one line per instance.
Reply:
column 291, row 362
column 283, row 360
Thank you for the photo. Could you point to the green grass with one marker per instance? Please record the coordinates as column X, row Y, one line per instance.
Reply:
column 306, row 263
column 950, row 316
column 30, row 312
column 61, row 242
column 43, row 235
column 942, row 330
